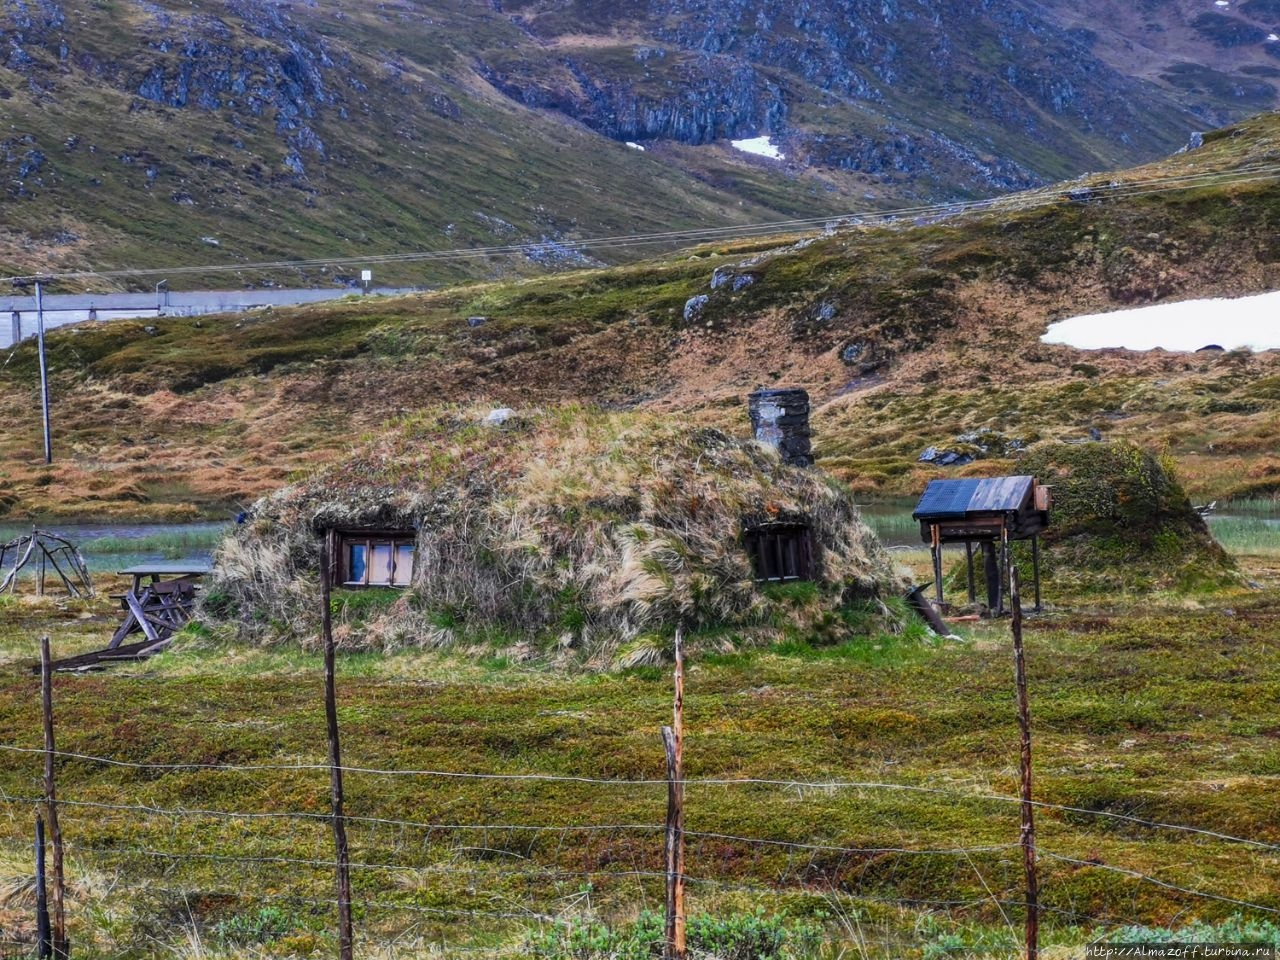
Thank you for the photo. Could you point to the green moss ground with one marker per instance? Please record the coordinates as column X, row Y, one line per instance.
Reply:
column 1159, row 710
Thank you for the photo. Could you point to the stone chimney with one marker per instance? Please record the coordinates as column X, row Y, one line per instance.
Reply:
column 780, row 418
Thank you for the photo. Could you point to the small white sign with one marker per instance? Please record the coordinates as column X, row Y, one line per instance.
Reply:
column 366, row 276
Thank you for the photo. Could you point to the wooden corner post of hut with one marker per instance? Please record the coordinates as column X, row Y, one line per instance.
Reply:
column 993, row 513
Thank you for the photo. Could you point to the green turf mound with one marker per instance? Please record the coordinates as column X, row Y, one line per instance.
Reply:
column 570, row 534
column 1122, row 522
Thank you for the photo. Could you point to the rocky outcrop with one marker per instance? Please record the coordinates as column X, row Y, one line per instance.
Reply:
column 921, row 154
column 712, row 98
column 908, row 86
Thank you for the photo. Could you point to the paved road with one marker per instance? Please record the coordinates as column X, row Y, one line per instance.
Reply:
column 18, row 314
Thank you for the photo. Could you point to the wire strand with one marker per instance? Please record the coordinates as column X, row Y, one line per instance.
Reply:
column 799, row 785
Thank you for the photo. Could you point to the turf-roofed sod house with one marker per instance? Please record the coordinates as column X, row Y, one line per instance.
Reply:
column 569, row 533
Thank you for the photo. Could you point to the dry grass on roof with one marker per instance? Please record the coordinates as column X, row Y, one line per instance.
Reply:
column 571, row 534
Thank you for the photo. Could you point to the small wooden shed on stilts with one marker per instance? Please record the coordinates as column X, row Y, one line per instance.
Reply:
column 991, row 512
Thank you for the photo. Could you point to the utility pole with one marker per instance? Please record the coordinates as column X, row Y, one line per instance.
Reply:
column 44, row 375
column 44, row 363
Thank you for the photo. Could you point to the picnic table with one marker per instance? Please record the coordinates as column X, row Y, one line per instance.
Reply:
column 159, row 601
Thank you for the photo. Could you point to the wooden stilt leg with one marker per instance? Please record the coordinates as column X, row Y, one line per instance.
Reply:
column 937, row 566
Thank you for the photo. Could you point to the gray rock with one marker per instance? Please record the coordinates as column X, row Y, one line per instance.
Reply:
column 721, row 276
column 743, row 281
column 694, row 306
column 31, row 162
column 930, row 455
column 477, row 321
column 499, row 416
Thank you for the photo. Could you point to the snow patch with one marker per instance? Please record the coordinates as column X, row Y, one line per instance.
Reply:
column 635, row 146
column 1244, row 322
column 1273, row 37
column 760, row 146
column 1221, row 3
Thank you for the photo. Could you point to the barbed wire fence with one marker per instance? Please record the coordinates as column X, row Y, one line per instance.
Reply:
column 417, row 874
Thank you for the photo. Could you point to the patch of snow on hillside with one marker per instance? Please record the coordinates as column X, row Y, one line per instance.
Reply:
column 635, row 146
column 1273, row 37
column 1244, row 322
column 760, row 146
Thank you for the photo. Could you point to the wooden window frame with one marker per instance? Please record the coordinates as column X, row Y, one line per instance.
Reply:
column 782, row 552
column 369, row 539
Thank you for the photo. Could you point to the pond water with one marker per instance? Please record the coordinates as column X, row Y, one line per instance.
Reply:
column 108, row 547
column 892, row 523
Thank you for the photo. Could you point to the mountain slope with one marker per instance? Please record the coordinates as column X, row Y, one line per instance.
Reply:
column 222, row 131
column 245, row 132
column 907, row 334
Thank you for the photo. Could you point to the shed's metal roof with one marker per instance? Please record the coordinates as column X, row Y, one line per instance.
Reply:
column 956, row 499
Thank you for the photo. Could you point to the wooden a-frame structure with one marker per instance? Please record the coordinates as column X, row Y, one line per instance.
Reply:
column 42, row 552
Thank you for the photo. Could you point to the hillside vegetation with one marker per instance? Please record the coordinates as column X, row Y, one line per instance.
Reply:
column 165, row 134
column 908, row 334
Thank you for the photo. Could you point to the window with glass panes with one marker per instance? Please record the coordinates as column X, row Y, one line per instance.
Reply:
column 377, row 560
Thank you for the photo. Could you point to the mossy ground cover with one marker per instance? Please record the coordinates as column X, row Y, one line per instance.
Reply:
column 1156, row 709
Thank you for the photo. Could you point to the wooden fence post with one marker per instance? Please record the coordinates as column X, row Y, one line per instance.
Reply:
column 345, row 939
column 44, row 949
column 675, row 947
column 59, row 919
column 1024, row 766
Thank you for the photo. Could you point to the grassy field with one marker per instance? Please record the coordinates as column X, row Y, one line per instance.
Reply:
column 885, row 827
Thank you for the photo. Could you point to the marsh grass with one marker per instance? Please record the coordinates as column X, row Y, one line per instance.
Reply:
column 1247, row 535
column 174, row 545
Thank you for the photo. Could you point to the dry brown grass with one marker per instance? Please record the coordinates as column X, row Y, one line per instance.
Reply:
column 569, row 533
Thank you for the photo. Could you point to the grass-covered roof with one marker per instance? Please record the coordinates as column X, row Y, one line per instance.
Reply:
column 570, row 533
